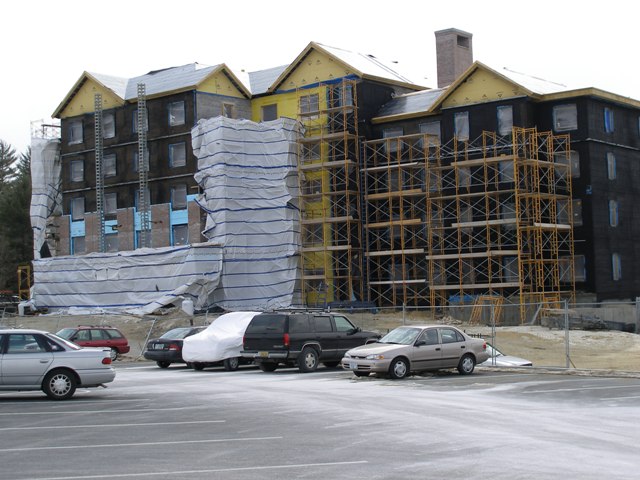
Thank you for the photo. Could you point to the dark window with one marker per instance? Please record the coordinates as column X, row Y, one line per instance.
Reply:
column 176, row 114
column 450, row 336
column 177, row 155
column 609, row 126
column 180, row 234
column 565, row 117
column 343, row 324
column 75, row 132
column 77, row 208
column 108, row 125
column 322, row 324
column 269, row 112
column 266, row 323
column 299, row 324
column 110, row 168
column 77, row 171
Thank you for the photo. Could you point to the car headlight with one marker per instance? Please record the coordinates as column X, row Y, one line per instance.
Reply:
column 375, row 356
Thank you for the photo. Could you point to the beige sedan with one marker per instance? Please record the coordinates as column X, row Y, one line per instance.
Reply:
column 413, row 349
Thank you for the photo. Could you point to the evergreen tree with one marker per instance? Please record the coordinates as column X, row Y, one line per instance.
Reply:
column 16, row 237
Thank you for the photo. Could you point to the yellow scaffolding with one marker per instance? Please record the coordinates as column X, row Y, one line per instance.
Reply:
column 329, row 157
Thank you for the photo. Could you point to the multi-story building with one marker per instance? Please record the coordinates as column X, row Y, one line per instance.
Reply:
column 494, row 183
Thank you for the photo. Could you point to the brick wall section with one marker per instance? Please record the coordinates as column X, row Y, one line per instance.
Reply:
column 195, row 224
column 126, row 228
column 63, row 244
column 160, row 227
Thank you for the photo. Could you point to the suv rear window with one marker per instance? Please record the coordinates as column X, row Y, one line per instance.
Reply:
column 299, row 324
column 266, row 323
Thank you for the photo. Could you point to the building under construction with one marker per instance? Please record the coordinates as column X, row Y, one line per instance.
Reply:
column 487, row 189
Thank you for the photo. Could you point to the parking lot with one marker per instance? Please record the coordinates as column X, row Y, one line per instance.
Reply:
column 179, row 423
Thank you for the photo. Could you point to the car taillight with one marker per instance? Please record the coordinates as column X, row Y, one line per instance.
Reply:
column 484, row 346
column 285, row 339
column 175, row 347
column 106, row 361
column 244, row 338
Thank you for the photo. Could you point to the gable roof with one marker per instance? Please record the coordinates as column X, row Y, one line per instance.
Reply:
column 158, row 82
column 261, row 80
column 364, row 66
column 413, row 102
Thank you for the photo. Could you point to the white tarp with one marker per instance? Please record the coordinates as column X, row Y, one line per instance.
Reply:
column 137, row 282
column 45, row 187
column 249, row 179
column 222, row 339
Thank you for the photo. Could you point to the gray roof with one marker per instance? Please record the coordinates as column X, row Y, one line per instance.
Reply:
column 411, row 102
column 157, row 81
column 261, row 80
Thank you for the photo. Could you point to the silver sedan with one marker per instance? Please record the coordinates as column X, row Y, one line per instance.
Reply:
column 38, row 360
column 411, row 349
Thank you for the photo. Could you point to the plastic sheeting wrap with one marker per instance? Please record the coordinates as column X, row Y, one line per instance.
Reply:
column 249, row 179
column 137, row 282
column 45, row 187
column 222, row 339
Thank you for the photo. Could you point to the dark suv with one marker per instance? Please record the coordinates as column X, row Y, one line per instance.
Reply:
column 301, row 338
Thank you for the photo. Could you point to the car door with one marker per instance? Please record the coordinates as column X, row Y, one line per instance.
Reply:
column 426, row 353
column 326, row 335
column 453, row 347
column 25, row 359
column 347, row 338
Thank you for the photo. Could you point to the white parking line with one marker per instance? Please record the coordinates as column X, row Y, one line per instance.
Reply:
column 607, row 387
column 141, row 444
column 181, row 473
column 64, row 427
column 84, row 412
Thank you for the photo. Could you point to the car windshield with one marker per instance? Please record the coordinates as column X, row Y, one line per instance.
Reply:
column 177, row 333
column 401, row 336
column 66, row 333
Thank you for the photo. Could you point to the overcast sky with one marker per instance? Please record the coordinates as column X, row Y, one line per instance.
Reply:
column 46, row 46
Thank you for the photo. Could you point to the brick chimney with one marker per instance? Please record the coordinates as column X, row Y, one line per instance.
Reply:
column 454, row 52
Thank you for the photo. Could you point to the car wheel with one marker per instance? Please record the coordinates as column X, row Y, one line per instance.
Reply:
column 114, row 354
column 163, row 364
column 308, row 360
column 267, row 367
column 331, row 364
column 361, row 374
column 399, row 368
column 466, row 365
column 198, row 366
column 231, row 364
column 59, row 384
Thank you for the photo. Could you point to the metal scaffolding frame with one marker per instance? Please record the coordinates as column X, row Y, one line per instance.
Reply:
column 329, row 159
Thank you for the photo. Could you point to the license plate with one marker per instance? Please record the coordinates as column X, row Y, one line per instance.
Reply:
column 353, row 365
column 158, row 346
column 263, row 354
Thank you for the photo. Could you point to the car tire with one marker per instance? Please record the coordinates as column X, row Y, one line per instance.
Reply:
column 198, row 366
column 231, row 364
column 466, row 365
column 399, row 368
column 59, row 384
column 163, row 364
column 331, row 364
column 308, row 360
column 361, row 374
column 114, row 354
column 268, row 366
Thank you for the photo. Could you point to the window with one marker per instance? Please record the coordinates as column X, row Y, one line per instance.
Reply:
column 391, row 146
column 77, row 245
column 576, row 207
column 464, row 177
column 608, row 120
column 176, row 114
column 510, row 269
column 579, row 268
column 77, row 171
column 136, row 160
column 108, row 125
column 611, row 166
column 228, row 110
column 75, row 132
column 613, row 213
column 342, row 324
column 109, row 163
column 179, row 197
column 616, row 266
column 77, row 208
column 269, row 112
column 573, row 161
column 505, row 120
column 134, row 121
column 565, row 117
column 431, row 128
column 507, row 173
column 310, row 104
column 461, row 125
column 110, row 203
column 322, row 324
column 180, row 234
column 177, row 155
column 111, row 242
column 311, row 151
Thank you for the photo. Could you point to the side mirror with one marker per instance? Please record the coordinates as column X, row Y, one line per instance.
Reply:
column 419, row 343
